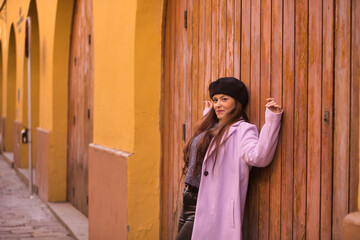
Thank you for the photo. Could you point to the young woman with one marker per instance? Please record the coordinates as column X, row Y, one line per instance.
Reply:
column 218, row 159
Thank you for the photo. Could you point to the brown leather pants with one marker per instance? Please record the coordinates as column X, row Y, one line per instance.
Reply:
column 187, row 216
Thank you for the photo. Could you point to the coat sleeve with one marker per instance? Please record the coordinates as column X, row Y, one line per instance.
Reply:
column 259, row 150
column 206, row 110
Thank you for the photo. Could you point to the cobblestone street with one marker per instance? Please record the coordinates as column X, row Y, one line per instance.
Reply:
column 22, row 217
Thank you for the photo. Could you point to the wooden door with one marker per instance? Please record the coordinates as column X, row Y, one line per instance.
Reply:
column 306, row 55
column 80, row 118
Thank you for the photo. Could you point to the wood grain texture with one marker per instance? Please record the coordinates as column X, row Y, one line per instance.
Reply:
column 254, row 103
column 237, row 38
column 265, row 84
column 276, row 91
column 195, row 63
column 172, row 151
column 354, row 132
column 189, row 56
column 215, row 40
column 202, row 58
column 300, row 118
column 208, row 52
column 80, row 100
column 230, row 24
column 327, row 128
column 245, row 68
column 165, row 137
column 314, row 120
column 342, row 115
column 287, row 164
column 250, row 215
column 222, row 38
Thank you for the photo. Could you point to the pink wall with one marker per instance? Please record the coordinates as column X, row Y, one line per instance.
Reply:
column 107, row 193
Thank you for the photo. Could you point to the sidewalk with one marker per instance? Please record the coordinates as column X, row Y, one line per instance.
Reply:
column 22, row 217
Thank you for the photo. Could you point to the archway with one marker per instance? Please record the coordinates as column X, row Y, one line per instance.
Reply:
column 35, row 94
column 80, row 104
column 10, row 94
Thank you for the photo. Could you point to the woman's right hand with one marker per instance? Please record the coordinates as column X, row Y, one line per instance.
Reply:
column 273, row 106
column 207, row 104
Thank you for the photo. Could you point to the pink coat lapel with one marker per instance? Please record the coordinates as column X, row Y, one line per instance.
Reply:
column 232, row 128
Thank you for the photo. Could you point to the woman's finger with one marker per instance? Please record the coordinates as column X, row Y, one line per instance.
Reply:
column 270, row 104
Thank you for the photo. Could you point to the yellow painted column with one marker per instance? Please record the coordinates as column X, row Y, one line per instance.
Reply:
column 144, row 166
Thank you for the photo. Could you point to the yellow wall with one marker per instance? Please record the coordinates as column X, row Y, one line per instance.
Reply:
column 127, row 97
column 114, row 40
column 46, row 16
column 144, row 167
column 53, row 75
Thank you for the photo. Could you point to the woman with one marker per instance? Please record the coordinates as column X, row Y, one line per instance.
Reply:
column 221, row 154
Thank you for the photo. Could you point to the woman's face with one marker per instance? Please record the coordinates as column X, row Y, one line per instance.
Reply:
column 223, row 105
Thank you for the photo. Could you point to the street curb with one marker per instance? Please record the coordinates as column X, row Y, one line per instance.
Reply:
column 69, row 226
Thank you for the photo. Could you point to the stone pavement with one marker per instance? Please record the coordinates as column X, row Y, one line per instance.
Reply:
column 22, row 217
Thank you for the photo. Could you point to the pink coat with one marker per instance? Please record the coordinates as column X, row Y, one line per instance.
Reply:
column 222, row 191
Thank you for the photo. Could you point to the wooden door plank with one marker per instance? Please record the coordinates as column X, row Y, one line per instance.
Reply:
column 215, row 40
column 80, row 104
column 188, row 50
column 342, row 115
column 254, row 102
column 249, row 226
column 245, row 46
column 195, row 62
column 287, row 165
column 208, row 53
column 355, row 79
column 327, row 128
column 237, row 38
column 265, row 78
column 222, row 38
column 181, row 57
column 179, row 111
column 165, row 198
column 300, row 124
column 172, row 151
column 229, row 71
column 276, row 92
column 314, row 120
column 202, row 69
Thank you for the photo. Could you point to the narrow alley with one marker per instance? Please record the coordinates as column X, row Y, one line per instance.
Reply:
column 22, row 217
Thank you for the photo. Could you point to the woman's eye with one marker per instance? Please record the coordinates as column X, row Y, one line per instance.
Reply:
column 224, row 99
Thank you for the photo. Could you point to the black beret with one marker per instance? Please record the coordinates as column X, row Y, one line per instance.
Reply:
column 232, row 87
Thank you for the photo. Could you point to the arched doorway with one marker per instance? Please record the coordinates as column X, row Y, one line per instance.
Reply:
column 80, row 104
column 35, row 94
column 10, row 94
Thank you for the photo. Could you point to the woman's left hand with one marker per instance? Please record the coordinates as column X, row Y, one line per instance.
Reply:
column 273, row 106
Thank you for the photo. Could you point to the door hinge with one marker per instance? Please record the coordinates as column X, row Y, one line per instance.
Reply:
column 326, row 117
column 184, row 132
column 185, row 19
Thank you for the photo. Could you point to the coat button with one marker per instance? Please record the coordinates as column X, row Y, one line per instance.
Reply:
column 206, row 173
